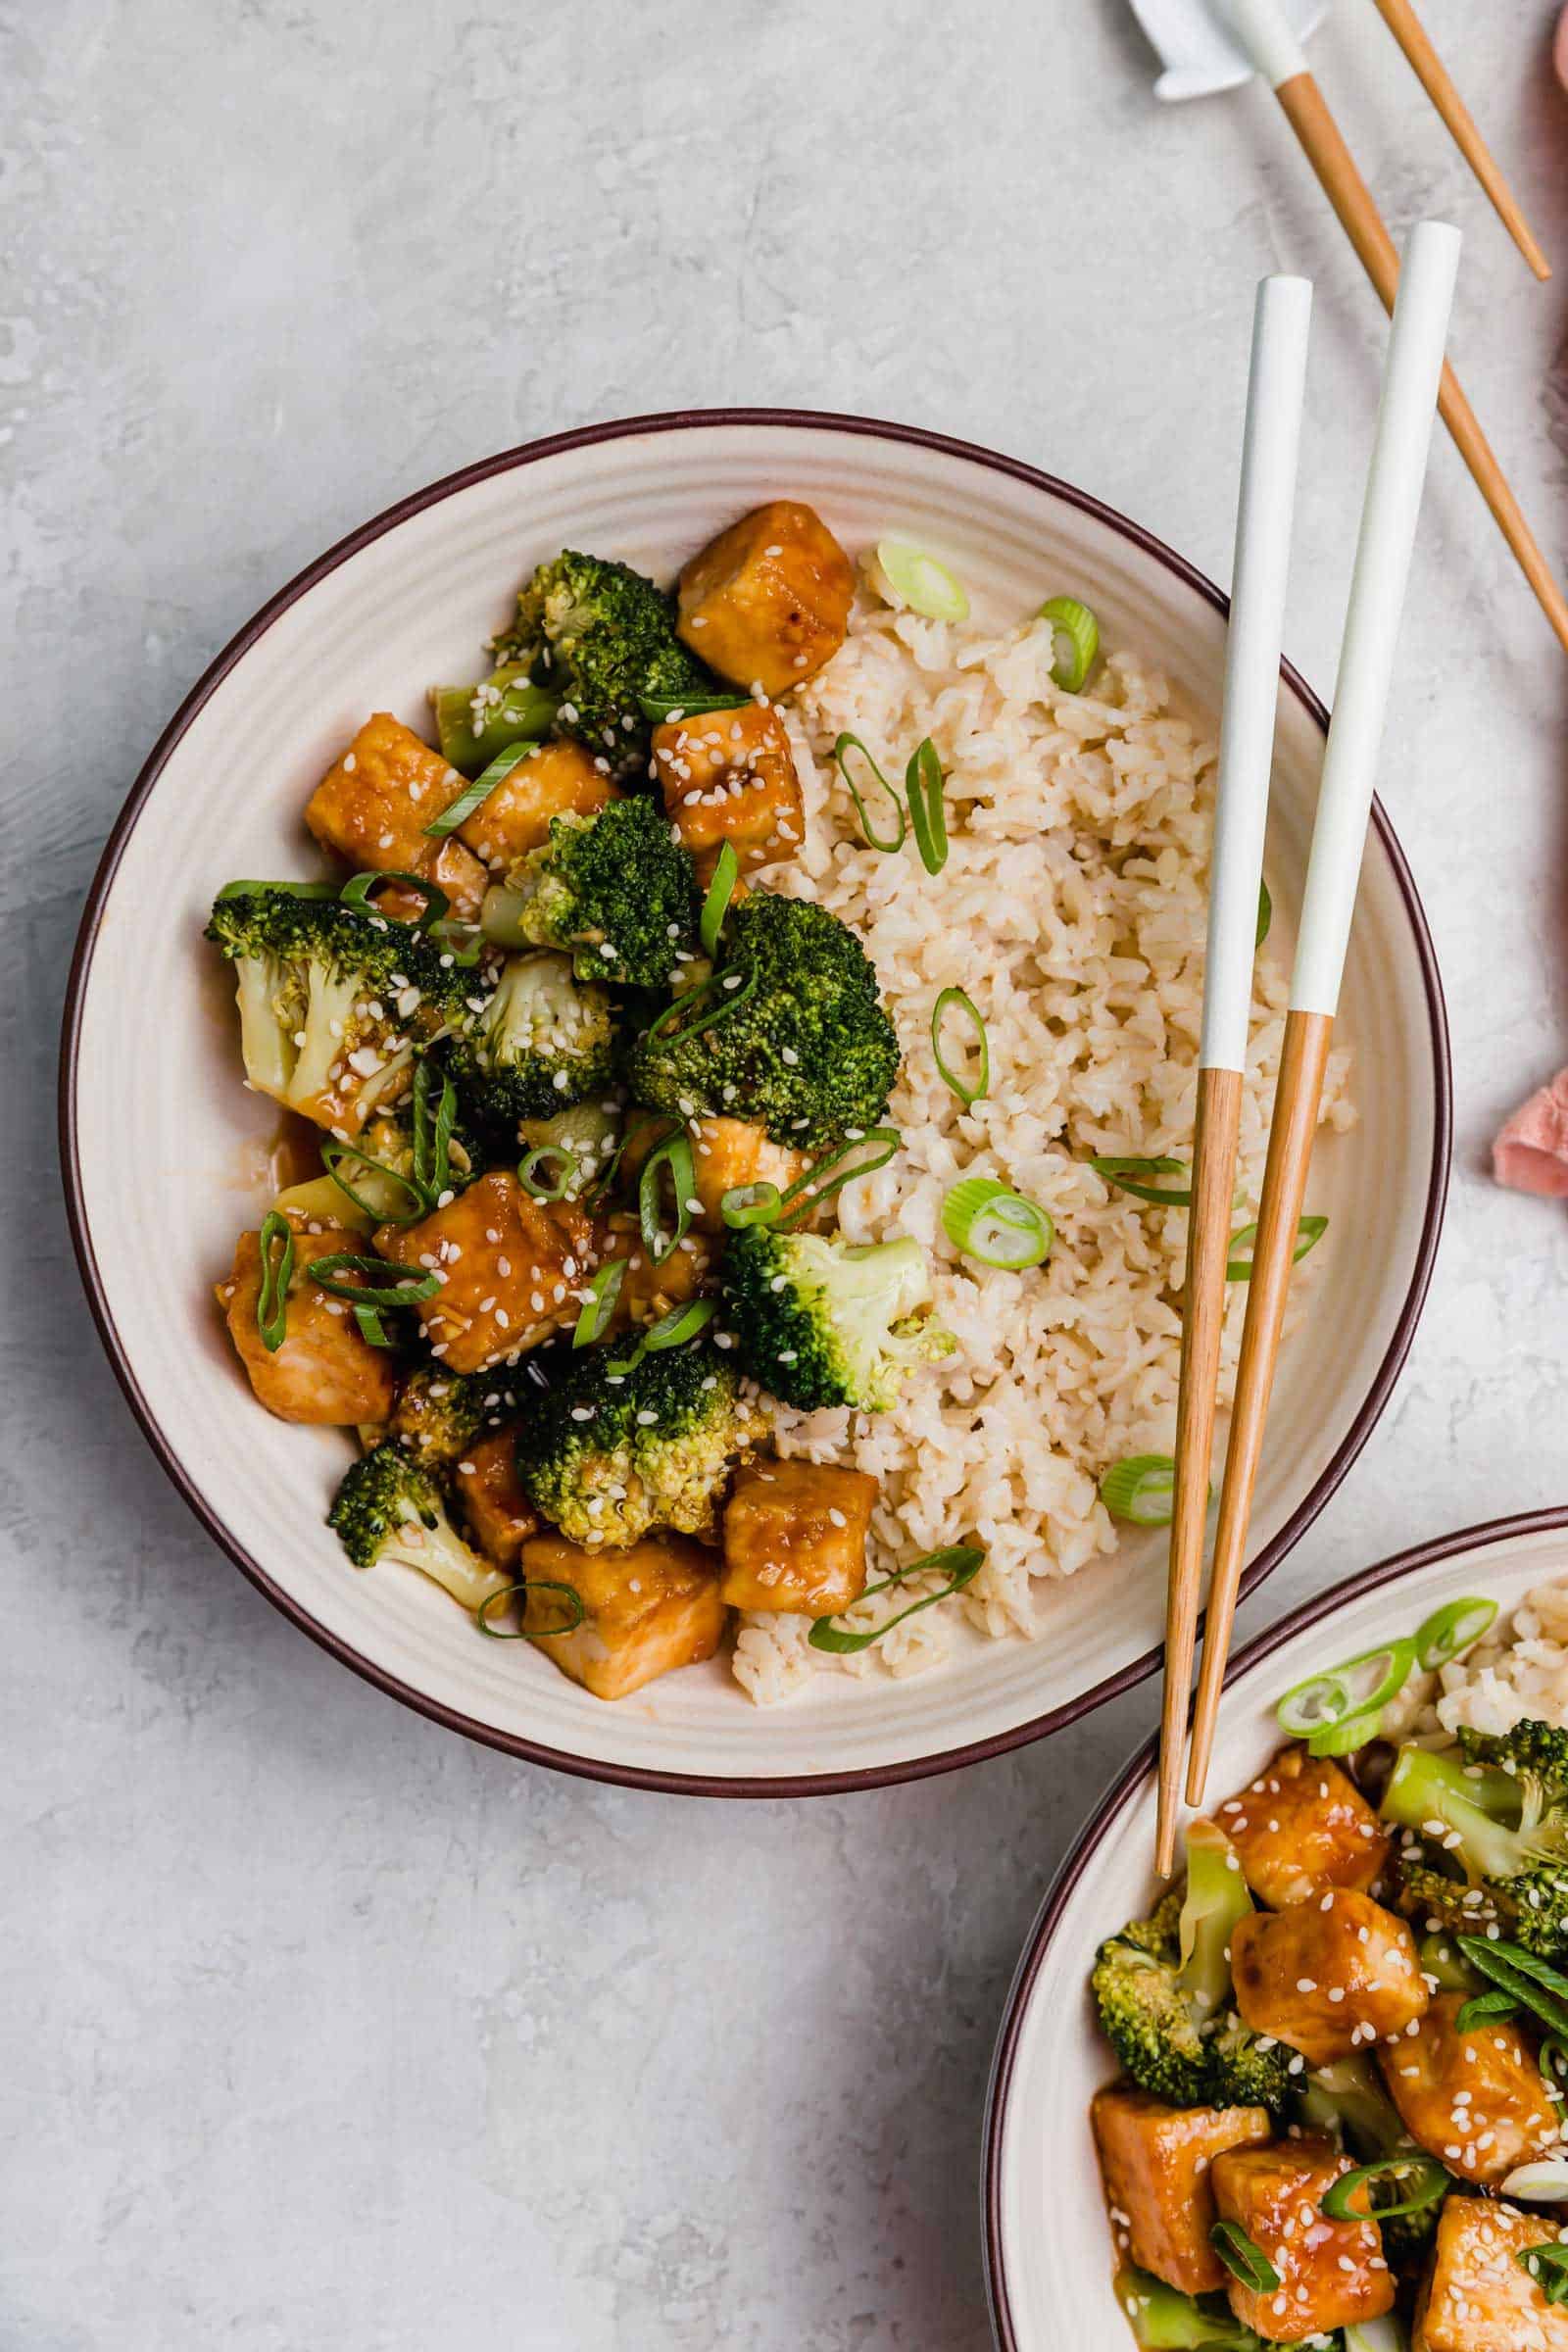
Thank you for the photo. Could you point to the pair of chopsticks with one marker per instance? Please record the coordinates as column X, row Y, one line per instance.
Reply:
column 1390, row 509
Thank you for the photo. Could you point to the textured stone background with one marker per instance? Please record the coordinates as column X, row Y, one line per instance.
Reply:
column 317, row 2026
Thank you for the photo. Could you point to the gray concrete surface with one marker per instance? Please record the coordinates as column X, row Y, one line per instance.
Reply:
column 320, row 2032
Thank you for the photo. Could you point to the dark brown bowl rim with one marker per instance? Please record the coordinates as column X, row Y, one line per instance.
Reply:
column 1048, row 1917
column 630, row 1776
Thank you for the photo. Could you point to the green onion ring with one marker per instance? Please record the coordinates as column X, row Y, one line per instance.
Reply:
column 1427, row 2177
column 1534, row 1984
column 1140, row 1488
column 758, row 1203
column 666, row 709
column 1075, row 623
column 959, row 1563
column 372, row 1327
column 925, row 783
column 359, row 890
column 669, row 1022
column 715, row 902
column 1265, row 914
column 797, row 1200
column 533, row 1184
column 1450, row 1631
column 1343, row 1739
column 926, row 584
column 327, row 1274
column 984, row 1221
column 1336, row 1693
column 1548, row 2265
column 1243, row 2258
column 676, row 1329
column 873, row 840
column 458, row 811
column 1129, row 1175
column 675, row 1152
column 967, row 1094
column 537, row 1584
column 1553, row 2060
column 599, row 1305
column 271, row 1301
column 1239, row 1270
column 432, row 1132
column 334, row 1152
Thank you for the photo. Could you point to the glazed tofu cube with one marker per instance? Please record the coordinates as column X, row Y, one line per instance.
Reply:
column 1476, row 2099
column 725, row 1152
column 1331, row 2272
column 1327, row 1975
column 1476, row 2296
column 558, row 779
column 649, row 1291
column 324, row 1371
column 795, row 1537
column 372, row 806
column 766, row 604
column 730, row 775
column 510, row 1270
column 1301, row 1827
column 1156, row 2162
column 499, row 1514
column 650, row 1608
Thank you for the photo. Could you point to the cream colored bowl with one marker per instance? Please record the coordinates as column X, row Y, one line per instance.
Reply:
column 163, row 1149
column 1050, row 2261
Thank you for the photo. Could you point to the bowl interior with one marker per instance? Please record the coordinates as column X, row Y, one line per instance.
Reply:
column 169, row 1150
column 1048, row 2242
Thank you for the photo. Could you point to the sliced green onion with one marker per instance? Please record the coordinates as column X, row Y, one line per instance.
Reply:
column 599, row 1305
column 676, row 1153
column 1239, row 1270
column 676, row 1329
column 1553, row 2060
column 663, row 710
column 1533, row 1983
column 432, row 1131
column 1243, row 2258
column 277, row 1266
column 1425, row 2178
column 1343, row 1738
column 1265, row 914
column 1361, row 1687
column 540, row 1186
column 866, row 1153
column 758, row 1203
column 983, row 1220
column 539, row 1583
column 873, row 840
column 728, row 987
column 359, row 891
column 1141, row 1489
column 1077, row 641
column 716, row 904
column 285, row 889
column 1485, row 2004
column 329, row 1273
column 959, row 1563
column 458, row 811
column 334, row 1152
column 1132, row 1176
column 372, row 1328
column 925, row 585
column 925, row 783
column 1548, row 2265
column 967, row 1094
column 1542, row 2183
column 1450, row 1631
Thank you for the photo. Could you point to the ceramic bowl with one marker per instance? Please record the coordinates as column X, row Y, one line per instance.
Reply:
column 1050, row 2260
column 164, row 1152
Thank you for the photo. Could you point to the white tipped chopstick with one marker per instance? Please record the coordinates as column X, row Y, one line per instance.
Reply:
column 1275, row 392
column 1388, row 514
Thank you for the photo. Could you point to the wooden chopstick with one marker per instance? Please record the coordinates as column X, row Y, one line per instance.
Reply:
column 1388, row 515
column 1271, row 441
column 1412, row 36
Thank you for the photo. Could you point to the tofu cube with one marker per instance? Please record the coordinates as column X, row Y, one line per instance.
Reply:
column 510, row 1270
column 1475, row 2100
column 795, row 1537
column 500, row 1517
column 647, row 1291
column 766, row 603
column 324, row 1371
column 1476, row 2296
column 1301, row 1827
column 372, row 806
column 1155, row 2161
column 558, row 779
column 1331, row 2272
column 730, row 775
column 1329, row 1977
column 650, row 1609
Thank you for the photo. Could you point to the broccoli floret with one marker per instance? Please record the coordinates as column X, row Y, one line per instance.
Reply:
column 439, row 1414
column 611, row 890
column 334, row 1000
column 821, row 1323
column 1163, row 1986
column 391, row 1507
column 542, row 1042
column 611, row 1456
column 1164, row 2320
column 599, row 636
column 791, row 1034
column 1347, row 2099
column 1501, row 1820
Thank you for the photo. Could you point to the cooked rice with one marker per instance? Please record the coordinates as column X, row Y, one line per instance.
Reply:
column 1520, row 1670
column 1072, row 908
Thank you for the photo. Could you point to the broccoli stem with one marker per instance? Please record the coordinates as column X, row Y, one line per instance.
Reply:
column 519, row 710
column 1471, row 1811
column 1163, row 2320
column 1215, row 1901
column 501, row 917
column 1348, row 2099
